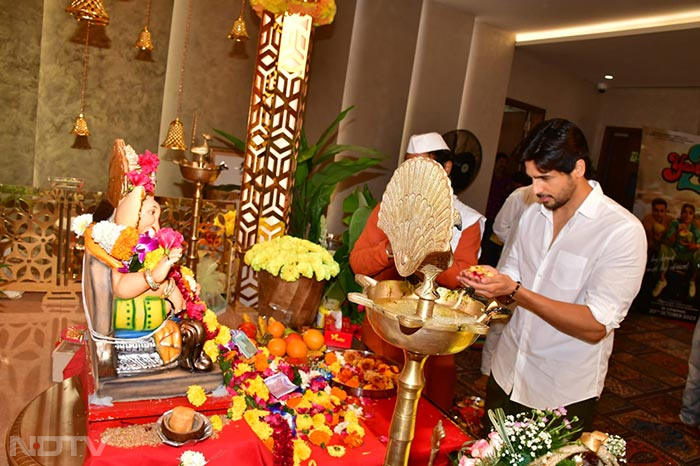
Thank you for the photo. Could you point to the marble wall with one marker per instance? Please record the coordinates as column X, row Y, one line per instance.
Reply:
column 125, row 97
column 20, row 50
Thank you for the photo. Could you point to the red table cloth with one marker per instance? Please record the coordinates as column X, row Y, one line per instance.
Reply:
column 237, row 444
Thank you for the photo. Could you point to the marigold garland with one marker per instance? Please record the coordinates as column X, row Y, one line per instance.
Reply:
column 318, row 413
column 322, row 11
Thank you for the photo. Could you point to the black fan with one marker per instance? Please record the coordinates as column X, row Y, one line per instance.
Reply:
column 466, row 159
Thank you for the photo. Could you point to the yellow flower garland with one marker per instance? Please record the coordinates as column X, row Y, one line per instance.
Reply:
column 290, row 258
column 322, row 11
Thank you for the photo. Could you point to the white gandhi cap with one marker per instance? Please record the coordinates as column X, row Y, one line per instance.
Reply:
column 424, row 143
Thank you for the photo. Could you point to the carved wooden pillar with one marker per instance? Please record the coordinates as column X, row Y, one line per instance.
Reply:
column 274, row 125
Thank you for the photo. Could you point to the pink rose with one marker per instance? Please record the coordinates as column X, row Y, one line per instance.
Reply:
column 140, row 179
column 466, row 461
column 149, row 162
column 169, row 239
column 481, row 449
column 495, row 440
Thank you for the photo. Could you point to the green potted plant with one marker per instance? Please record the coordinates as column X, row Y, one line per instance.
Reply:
column 317, row 175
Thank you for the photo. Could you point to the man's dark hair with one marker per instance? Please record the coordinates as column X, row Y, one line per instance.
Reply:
column 555, row 144
column 441, row 156
column 659, row 201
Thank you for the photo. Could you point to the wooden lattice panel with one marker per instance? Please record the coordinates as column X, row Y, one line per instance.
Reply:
column 274, row 126
column 36, row 244
column 42, row 254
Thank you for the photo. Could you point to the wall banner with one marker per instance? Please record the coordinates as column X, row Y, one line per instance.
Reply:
column 668, row 203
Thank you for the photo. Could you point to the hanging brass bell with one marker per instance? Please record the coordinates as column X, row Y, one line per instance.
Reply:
column 144, row 42
column 239, row 32
column 89, row 10
column 175, row 139
column 80, row 127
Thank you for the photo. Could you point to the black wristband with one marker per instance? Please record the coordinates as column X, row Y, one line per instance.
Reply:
column 510, row 299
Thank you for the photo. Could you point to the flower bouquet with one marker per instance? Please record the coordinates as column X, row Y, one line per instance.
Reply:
column 314, row 412
column 292, row 273
column 540, row 438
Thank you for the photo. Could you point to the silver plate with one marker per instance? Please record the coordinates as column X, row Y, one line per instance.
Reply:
column 208, row 429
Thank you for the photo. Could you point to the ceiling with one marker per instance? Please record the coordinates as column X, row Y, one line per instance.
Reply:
column 664, row 57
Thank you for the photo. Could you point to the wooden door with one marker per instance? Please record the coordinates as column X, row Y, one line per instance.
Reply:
column 619, row 163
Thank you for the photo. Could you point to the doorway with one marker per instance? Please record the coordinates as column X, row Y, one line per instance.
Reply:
column 619, row 164
column 518, row 119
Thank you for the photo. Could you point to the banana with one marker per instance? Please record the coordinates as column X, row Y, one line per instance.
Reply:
column 262, row 328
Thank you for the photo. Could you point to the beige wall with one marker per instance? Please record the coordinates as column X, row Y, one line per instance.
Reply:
column 672, row 109
column 483, row 102
column 561, row 95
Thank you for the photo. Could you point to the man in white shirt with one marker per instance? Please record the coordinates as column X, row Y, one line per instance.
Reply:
column 575, row 266
column 504, row 227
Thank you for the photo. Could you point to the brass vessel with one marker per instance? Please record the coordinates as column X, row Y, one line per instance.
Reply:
column 453, row 326
column 201, row 172
column 417, row 215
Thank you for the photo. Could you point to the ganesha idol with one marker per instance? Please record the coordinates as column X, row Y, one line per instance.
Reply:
column 143, row 309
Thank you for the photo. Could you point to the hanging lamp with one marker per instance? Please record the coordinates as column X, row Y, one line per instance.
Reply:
column 239, row 31
column 145, row 42
column 175, row 138
column 80, row 126
column 92, row 12
column 89, row 10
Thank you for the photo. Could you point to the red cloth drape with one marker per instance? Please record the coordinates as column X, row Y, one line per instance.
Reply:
column 237, row 444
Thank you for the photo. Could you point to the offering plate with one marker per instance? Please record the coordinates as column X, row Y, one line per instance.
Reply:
column 201, row 430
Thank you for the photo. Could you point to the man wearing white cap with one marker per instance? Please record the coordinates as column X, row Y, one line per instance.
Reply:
column 372, row 256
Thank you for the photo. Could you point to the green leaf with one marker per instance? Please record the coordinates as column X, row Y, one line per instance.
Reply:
column 233, row 140
column 333, row 128
column 357, row 223
column 335, row 149
column 340, row 170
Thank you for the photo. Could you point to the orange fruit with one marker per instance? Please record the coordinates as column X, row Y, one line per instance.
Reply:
column 292, row 336
column 314, row 339
column 297, row 349
column 276, row 329
column 277, row 347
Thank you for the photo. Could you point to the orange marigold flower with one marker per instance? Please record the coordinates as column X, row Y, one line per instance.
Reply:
column 353, row 382
column 339, row 392
column 330, row 358
column 123, row 247
column 345, row 374
column 294, row 401
column 261, row 363
column 319, row 437
column 269, row 443
column 353, row 440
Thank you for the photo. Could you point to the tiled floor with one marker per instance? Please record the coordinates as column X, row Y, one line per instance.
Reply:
column 642, row 394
